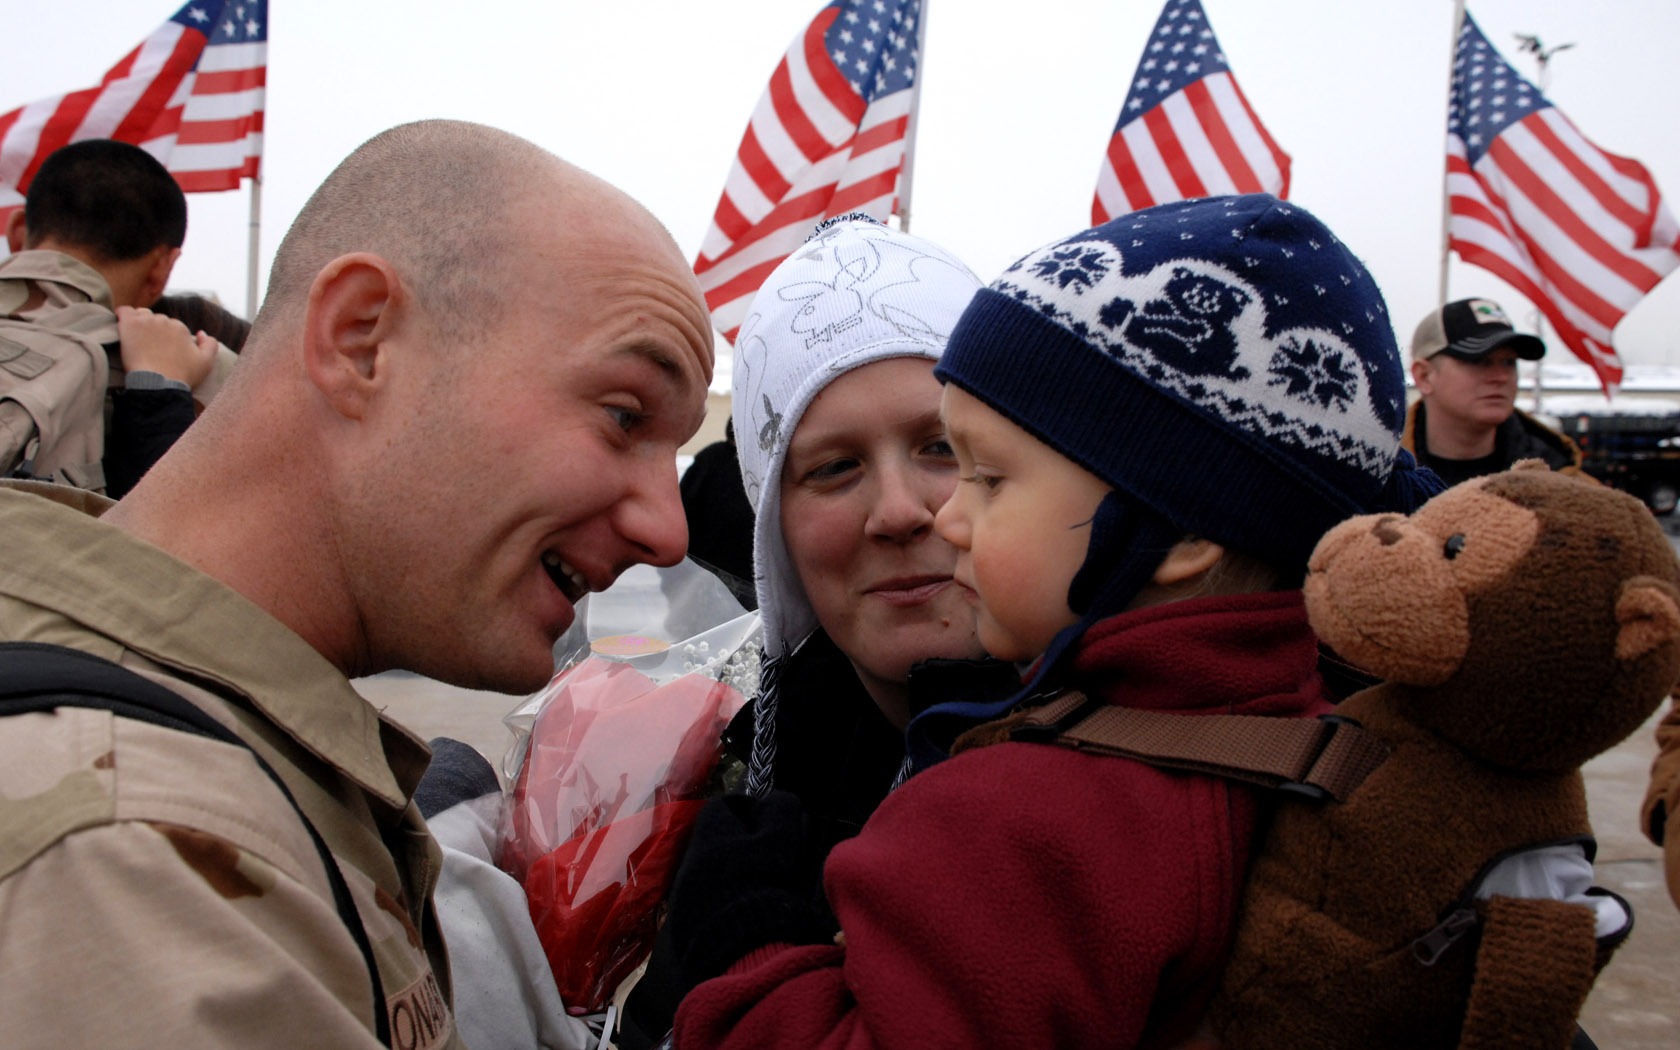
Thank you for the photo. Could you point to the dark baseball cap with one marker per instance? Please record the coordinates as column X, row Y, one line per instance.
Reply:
column 1471, row 328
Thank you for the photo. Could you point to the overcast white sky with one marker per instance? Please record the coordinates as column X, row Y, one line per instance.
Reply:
column 1018, row 101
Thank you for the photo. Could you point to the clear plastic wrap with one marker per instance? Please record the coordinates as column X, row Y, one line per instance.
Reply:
column 614, row 759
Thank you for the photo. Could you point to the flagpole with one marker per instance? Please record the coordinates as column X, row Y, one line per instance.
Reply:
column 904, row 172
column 1446, row 192
column 1539, row 314
column 255, row 226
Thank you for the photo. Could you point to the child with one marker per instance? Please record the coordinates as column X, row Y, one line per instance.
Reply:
column 1155, row 421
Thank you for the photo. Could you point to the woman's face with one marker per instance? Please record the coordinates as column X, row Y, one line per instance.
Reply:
column 866, row 470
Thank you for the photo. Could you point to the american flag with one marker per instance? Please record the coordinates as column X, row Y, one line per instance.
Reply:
column 826, row 139
column 191, row 94
column 1582, row 233
column 1185, row 129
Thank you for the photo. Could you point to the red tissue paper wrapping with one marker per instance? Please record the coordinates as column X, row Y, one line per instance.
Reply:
column 601, row 807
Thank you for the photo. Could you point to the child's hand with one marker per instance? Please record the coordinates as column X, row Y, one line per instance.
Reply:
column 155, row 343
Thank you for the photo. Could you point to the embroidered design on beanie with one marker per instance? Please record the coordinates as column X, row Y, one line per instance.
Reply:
column 1225, row 362
column 1220, row 339
column 840, row 220
column 770, row 433
column 870, row 276
column 857, row 290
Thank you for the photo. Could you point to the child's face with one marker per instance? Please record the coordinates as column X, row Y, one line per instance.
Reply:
column 1021, row 522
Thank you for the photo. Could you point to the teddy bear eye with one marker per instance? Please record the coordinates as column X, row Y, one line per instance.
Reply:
column 1454, row 545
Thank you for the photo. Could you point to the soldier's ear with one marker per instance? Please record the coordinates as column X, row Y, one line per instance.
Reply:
column 348, row 323
column 16, row 234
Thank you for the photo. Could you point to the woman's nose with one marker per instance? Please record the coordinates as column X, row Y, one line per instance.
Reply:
column 904, row 504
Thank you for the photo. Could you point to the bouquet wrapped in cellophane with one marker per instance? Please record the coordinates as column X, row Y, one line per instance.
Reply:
column 620, row 750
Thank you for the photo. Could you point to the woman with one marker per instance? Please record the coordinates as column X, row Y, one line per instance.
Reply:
column 845, row 463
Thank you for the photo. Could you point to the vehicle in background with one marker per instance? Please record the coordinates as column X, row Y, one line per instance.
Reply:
column 1631, row 444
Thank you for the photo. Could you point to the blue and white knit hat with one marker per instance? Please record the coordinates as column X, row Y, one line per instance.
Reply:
column 1226, row 362
column 856, row 292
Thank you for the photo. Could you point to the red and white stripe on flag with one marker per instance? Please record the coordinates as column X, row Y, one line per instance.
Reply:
column 191, row 94
column 210, row 134
column 1185, row 130
column 826, row 138
column 1581, row 233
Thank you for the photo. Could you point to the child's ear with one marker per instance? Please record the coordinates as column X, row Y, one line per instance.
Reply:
column 1188, row 559
column 17, row 234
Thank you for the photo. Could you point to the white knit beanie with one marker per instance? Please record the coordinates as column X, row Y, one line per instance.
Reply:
column 855, row 293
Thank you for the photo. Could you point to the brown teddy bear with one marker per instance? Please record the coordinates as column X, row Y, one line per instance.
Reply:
column 1522, row 623
column 1662, row 799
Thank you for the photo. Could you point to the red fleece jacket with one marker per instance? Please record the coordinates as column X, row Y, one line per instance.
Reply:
column 1023, row 895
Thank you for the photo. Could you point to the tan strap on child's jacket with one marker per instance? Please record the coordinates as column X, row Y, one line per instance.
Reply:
column 1320, row 757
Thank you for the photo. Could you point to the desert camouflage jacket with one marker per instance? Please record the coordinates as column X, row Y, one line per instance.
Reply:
column 156, row 889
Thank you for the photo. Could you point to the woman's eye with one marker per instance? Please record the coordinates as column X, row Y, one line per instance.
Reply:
column 834, row 468
column 1454, row 546
column 940, row 448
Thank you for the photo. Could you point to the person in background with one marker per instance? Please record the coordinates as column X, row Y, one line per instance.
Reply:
column 202, row 314
column 1466, row 422
column 1154, row 422
column 419, row 465
column 720, row 520
column 166, row 368
column 93, row 247
column 175, row 357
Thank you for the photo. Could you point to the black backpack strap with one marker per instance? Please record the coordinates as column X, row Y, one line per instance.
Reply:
column 35, row 677
column 1321, row 758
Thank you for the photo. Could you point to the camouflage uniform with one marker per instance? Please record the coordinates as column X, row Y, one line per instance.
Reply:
column 54, row 291
column 155, row 888
column 37, row 282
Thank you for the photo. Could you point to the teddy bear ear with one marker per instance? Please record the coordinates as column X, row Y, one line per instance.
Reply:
column 1648, row 615
column 1531, row 464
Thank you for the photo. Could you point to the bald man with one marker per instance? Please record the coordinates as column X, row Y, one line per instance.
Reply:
column 457, row 413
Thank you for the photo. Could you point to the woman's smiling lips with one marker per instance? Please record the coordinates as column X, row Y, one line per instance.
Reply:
column 909, row 590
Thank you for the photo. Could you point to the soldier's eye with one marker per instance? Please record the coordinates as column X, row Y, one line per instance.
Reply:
column 1454, row 545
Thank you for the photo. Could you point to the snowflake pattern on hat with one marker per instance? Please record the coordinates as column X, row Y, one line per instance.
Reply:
column 1224, row 342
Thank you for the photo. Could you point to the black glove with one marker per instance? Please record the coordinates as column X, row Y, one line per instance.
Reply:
column 456, row 773
column 747, row 880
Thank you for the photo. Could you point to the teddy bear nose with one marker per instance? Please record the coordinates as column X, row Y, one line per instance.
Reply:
column 1385, row 530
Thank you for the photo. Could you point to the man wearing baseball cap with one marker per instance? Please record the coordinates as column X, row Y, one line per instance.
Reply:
column 1465, row 422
